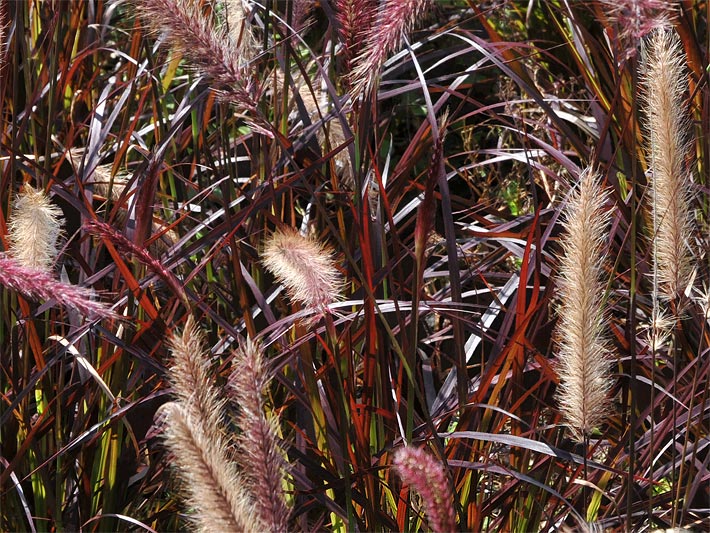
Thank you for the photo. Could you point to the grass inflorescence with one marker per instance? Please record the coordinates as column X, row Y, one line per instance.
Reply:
column 354, row 265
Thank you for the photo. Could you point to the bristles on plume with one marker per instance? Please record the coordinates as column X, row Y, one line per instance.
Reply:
column 217, row 493
column 261, row 457
column 665, row 81
column 583, row 352
column 304, row 266
column 37, row 284
column 423, row 472
column 395, row 18
column 190, row 375
column 355, row 18
column 34, row 229
column 209, row 50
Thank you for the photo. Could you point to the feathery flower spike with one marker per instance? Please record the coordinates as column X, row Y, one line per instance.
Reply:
column 665, row 81
column 36, row 284
column 423, row 472
column 194, row 434
column 304, row 266
column 262, row 459
column 34, row 229
column 217, row 491
column 396, row 17
column 209, row 50
column 583, row 351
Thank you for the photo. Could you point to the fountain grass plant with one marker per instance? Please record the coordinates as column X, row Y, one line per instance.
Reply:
column 303, row 242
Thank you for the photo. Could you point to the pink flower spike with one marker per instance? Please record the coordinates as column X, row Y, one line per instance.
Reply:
column 36, row 284
column 423, row 472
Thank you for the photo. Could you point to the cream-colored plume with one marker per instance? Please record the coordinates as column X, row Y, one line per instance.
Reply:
column 665, row 82
column 583, row 351
column 34, row 229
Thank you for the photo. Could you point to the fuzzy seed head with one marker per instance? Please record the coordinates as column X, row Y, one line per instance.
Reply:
column 423, row 472
column 395, row 18
column 583, row 351
column 665, row 82
column 261, row 456
column 34, row 229
column 304, row 266
column 355, row 18
column 37, row 284
column 191, row 378
column 217, row 492
column 209, row 50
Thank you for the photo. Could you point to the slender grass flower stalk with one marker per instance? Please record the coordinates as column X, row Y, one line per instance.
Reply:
column 395, row 18
column 209, row 50
column 583, row 351
column 423, row 472
column 216, row 490
column 34, row 229
column 304, row 266
column 218, row 493
column 261, row 457
column 664, row 82
column 36, row 284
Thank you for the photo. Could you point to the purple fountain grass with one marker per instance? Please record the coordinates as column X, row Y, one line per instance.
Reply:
column 395, row 18
column 304, row 266
column 665, row 82
column 355, row 18
column 262, row 459
column 637, row 18
column 124, row 244
column 34, row 229
column 210, row 51
column 194, row 433
column 583, row 351
column 217, row 491
column 190, row 375
column 423, row 472
column 37, row 284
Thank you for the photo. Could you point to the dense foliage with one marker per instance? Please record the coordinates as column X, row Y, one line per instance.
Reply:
column 375, row 192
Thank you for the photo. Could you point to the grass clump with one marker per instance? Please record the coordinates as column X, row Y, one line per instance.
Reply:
column 379, row 214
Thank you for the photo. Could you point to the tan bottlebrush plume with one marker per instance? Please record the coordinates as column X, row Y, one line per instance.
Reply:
column 304, row 266
column 261, row 457
column 217, row 493
column 194, row 433
column 395, row 18
column 583, row 352
column 664, row 82
column 209, row 50
column 423, row 472
column 190, row 375
column 34, row 229
column 34, row 283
